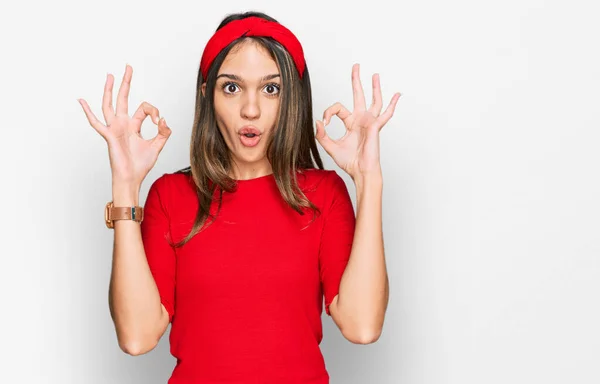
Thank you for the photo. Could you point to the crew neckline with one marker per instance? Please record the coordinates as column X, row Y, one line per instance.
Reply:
column 245, row 181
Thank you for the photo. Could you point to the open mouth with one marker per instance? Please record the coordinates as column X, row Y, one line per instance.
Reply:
column 249, row 139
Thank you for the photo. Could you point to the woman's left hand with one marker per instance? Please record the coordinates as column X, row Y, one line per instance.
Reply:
column 357, row 152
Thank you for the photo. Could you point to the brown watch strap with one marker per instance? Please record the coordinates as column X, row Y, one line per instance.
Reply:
column 112, row 213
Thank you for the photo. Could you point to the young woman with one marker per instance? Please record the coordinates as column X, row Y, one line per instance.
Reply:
column 238, row 250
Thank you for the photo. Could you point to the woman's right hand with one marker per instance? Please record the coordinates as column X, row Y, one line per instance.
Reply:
column 131, row 156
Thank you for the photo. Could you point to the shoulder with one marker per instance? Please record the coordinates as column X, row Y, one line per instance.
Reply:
column 173, row 181
column 317, row 177
column 325, row 182
column 172, row 189
column 333, row 195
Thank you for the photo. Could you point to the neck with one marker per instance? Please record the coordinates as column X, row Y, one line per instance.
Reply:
column 251, row 172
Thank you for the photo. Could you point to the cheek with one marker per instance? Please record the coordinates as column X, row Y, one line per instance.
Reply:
column 224, row 113
column 272, row 110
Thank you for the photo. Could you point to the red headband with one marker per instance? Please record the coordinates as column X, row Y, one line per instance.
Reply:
column 251, row 26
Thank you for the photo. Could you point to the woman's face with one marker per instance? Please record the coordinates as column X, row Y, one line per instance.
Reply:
column 247, row 97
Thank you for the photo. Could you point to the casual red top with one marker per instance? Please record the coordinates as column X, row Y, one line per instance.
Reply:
column 245, row 295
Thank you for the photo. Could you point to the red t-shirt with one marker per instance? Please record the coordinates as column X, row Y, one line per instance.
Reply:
column 245, row 295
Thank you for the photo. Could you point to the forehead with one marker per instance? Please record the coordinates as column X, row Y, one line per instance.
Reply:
column 250, row 61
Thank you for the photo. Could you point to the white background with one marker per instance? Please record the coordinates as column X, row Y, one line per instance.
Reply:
column 491, row 215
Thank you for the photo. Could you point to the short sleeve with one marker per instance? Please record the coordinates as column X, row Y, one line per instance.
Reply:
column 160, row 254
column 336, row 238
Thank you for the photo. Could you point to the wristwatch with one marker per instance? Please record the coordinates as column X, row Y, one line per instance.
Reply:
column 112, row 213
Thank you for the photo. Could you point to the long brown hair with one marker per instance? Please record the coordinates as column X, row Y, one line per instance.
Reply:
column 288, row 149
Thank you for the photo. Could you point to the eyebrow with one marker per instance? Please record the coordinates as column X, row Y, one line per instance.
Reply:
column 237, row 78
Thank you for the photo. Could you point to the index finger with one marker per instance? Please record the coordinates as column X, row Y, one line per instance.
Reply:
column 124, row 91
column 339, row 110
column 146, row 109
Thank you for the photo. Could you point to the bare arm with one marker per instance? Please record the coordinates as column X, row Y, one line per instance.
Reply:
column 359, row 308
column 139, row 317
column 135, row 305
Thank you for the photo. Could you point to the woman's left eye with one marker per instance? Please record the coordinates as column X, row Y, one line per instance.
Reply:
column 271, row 87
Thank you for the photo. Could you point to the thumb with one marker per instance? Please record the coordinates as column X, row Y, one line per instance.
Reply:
column 163, row 134
column 322, row 137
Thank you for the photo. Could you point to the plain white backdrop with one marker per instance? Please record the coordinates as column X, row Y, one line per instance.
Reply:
column 491, row 179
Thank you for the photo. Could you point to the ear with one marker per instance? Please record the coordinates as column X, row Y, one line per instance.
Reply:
column 204, row 89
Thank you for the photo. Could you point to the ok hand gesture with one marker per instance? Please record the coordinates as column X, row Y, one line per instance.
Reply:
column 357, row 152
column 131, row 156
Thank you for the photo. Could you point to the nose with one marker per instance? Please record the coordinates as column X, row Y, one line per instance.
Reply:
column 250, row 106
